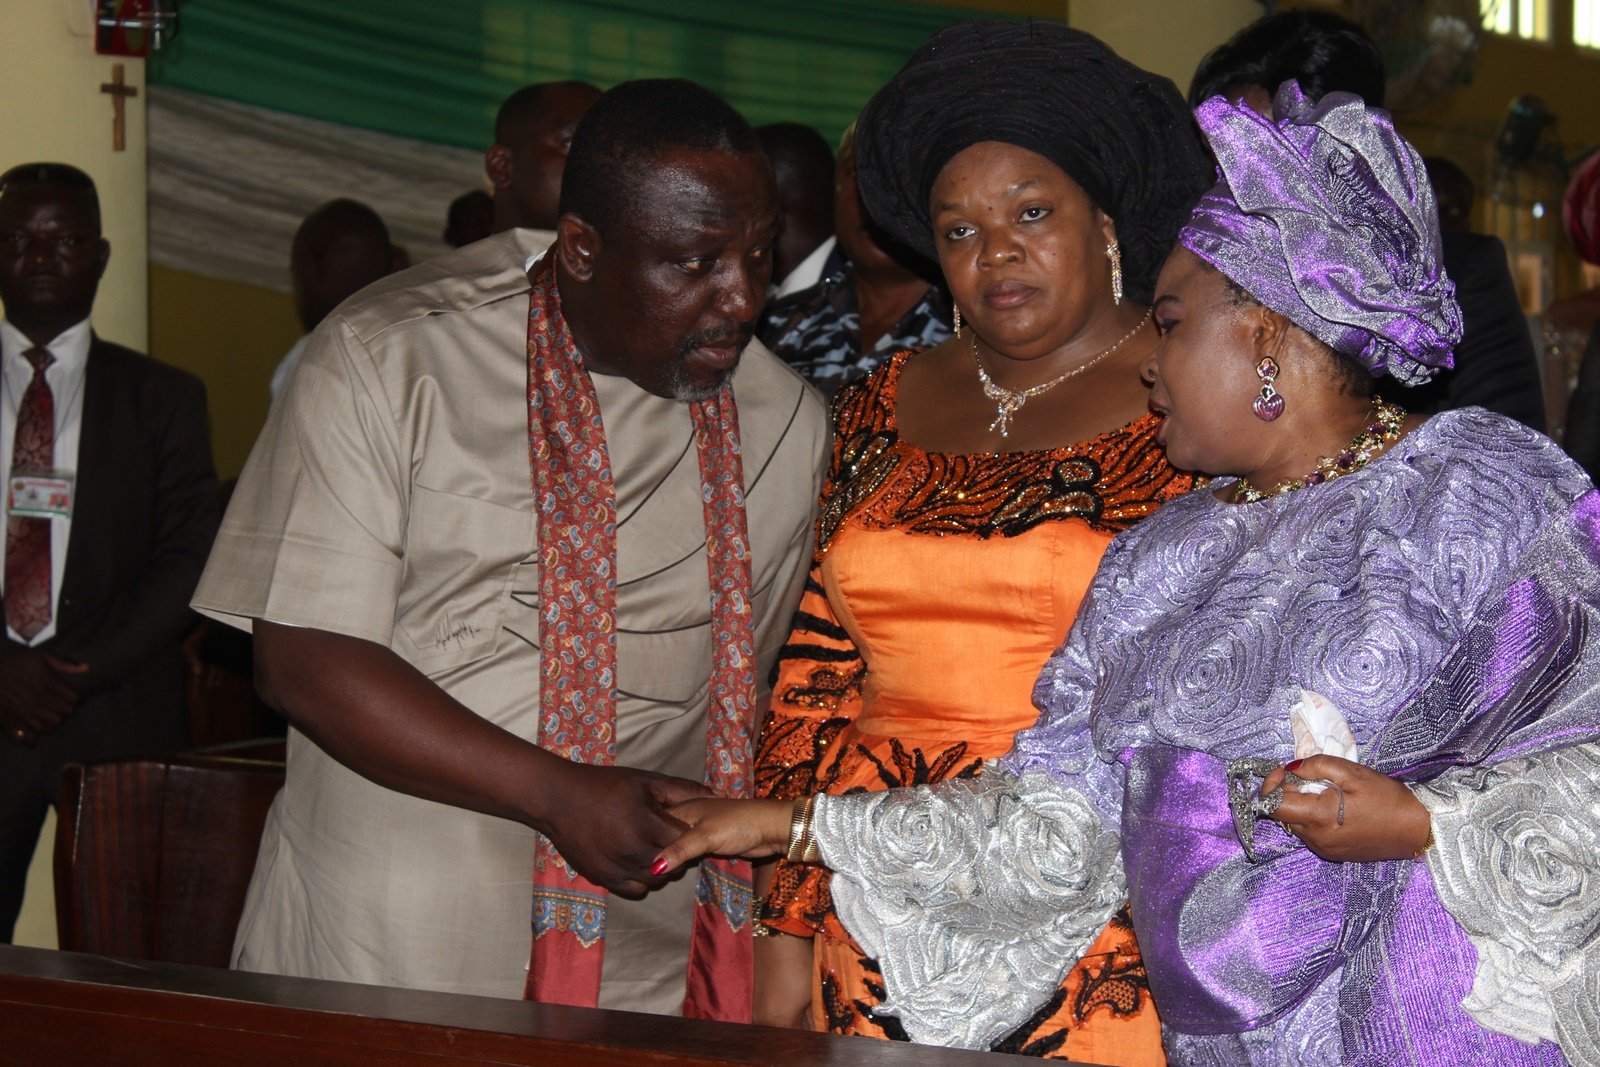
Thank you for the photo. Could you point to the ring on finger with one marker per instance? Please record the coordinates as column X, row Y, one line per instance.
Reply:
column 1267, row 804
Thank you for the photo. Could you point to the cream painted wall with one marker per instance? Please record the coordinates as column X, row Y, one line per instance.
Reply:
column 233, row 336
column 1164, row 36
column 56, row 112
column 36, row 926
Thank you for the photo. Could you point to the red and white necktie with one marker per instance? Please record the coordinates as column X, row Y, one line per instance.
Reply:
column 27, row 537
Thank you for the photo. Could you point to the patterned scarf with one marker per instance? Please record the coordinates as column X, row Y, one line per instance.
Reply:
column 577, row 517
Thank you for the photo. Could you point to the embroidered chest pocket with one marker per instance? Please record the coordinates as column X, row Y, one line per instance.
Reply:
column 460, row 556
column 664, row 635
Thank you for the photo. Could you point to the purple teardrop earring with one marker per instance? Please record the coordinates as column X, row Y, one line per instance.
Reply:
column 1269, row 405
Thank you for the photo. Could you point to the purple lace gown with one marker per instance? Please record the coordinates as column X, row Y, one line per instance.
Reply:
column 1443, row 598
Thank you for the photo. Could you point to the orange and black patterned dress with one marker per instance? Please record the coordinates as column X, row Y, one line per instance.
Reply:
column 942, row 583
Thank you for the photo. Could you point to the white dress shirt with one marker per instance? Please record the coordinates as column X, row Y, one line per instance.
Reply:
column 65, row 377
column 809, row 271
column 286, row 366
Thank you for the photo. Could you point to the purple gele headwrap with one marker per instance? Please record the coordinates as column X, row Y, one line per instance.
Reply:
column 1324, row 214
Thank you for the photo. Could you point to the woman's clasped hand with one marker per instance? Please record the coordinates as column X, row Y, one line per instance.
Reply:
column 721, row 827
column 1368, row 816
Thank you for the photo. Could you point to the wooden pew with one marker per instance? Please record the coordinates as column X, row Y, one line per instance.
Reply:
column 66, row 1008
column 153, row 856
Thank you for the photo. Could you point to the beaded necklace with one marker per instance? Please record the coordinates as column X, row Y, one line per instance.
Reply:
column 1381, row 430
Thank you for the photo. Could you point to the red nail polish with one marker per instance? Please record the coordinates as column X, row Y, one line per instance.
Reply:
column 1293, row 765
column 659, row 867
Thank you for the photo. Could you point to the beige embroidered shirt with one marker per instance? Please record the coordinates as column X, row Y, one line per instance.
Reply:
column 389, row 498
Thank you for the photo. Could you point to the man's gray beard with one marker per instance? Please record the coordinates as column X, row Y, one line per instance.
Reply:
column 686, row 391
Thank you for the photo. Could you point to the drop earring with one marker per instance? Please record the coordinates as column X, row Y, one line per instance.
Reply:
column 955, row 307
column 1114, row 254
column 1269, row 405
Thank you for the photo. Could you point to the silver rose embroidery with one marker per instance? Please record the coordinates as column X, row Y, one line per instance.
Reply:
column 1518, row 865
column 975, row 896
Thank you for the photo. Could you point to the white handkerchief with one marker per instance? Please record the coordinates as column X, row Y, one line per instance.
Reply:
column 1320, row 729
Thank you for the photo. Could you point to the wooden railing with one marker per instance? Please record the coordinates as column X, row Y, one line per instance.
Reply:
column 63, row 1008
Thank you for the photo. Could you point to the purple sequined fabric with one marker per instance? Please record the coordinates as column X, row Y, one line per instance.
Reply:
column 1438, row 597
column 1326, row 216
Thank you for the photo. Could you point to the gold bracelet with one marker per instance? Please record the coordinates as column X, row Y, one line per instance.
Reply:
column 1426, row 845
column 802, row 843
column 813, row 851
column 758, row 915
column 799, row 827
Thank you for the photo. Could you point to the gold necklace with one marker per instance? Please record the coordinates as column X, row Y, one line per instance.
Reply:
column 1381, row 430
column 1007, row 402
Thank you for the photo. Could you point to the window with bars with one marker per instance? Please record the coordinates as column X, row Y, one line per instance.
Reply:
column 1528, row 19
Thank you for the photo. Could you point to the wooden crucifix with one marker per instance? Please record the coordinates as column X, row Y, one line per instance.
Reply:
column 119, row 93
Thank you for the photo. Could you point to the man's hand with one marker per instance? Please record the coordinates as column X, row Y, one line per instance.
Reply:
column 382, row 718
column 610, row 823
column 35, row 696
column 1383, row 820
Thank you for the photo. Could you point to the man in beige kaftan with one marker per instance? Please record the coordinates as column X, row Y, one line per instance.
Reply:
column 385, row 529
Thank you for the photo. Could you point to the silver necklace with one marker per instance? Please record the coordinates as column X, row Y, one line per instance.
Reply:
column 1007, row 402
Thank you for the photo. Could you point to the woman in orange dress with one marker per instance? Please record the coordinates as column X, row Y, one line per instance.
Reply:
column 973, row 489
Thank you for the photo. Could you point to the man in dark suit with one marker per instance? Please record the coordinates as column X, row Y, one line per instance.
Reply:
column 109, row 508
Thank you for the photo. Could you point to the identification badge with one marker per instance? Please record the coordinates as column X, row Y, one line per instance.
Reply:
column 40, row 494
